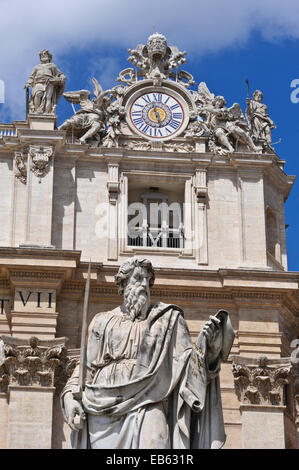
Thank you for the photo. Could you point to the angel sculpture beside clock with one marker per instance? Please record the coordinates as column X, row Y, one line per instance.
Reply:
column 155, row 103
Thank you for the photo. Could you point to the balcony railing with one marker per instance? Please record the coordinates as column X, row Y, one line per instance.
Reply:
column 156, row 237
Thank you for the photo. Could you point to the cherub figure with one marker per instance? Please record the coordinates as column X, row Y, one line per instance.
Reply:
column 226, row 126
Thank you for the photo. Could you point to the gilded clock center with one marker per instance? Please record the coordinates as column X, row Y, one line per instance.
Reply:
column 157, row 114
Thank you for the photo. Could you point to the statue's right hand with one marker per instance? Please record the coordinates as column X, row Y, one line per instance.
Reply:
column 73, row 411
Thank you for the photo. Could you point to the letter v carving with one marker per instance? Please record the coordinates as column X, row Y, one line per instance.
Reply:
column 22, row 298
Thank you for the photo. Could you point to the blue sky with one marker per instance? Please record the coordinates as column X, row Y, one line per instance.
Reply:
column 227, row 42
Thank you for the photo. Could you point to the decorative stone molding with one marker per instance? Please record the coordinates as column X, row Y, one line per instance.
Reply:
column 189, row 294
column 261, row 381
column 36, row 274
column 39, row 363
column 113, row 182
column 200, row 186
column 179, row 147
column 40, row 159
column 158, row 61
column 21, row 167
column 137, row 145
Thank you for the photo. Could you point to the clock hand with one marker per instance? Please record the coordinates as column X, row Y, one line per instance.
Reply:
column 157, row 114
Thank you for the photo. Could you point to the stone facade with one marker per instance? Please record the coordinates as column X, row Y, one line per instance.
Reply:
column 65, row 201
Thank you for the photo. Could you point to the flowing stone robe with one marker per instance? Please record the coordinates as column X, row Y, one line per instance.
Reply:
column 148, row 385
column 41, row 82
column 259, row 120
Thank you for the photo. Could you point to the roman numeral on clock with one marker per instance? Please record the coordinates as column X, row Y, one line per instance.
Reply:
column 138, row 121
column 174, row 124
column 157, row 97
column 147, row 99
column 145, row 129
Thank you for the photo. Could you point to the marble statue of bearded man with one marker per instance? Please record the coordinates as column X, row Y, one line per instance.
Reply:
column 147, row 385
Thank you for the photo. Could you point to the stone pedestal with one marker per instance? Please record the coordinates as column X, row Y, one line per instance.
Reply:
column 42, row 122
column 30, row 418
column 260, row 386
column 263, row 427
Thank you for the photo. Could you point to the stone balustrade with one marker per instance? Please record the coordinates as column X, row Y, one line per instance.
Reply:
column 7, row 130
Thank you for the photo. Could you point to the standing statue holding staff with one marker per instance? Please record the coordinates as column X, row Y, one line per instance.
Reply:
column 147, row 386
column 258, row 118
column 47, row 84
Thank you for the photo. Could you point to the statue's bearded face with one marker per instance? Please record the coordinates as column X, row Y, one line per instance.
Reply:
column 137, row 293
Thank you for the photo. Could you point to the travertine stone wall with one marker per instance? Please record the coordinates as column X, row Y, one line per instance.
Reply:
column 64, row 202
column 6, row 210
column 274, row 199
column 91, row 192
column 19, row 213
column 223, row 215
column 74, row 204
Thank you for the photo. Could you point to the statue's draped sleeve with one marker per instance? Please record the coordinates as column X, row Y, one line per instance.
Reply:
column 197, row 401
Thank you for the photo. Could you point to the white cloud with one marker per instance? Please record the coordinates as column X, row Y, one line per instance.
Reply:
column 64, row 26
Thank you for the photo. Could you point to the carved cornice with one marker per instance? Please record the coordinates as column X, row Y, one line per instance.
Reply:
column 181, row 292
column 191, row 294
column 261, row 381
column 36, row 274
column 39, row 363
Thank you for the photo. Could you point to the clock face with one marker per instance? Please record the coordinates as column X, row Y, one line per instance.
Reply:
column 156, row 115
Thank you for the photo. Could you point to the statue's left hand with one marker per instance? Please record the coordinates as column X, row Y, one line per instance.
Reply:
column 213, row 333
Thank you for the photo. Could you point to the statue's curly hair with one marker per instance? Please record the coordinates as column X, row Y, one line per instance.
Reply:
column 127, row 268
